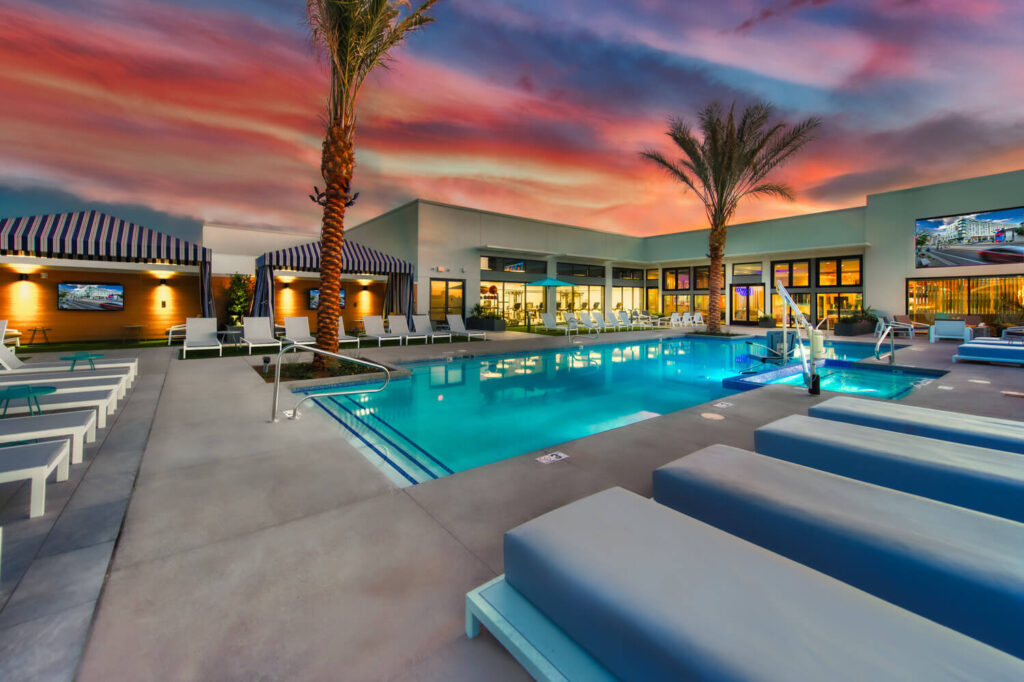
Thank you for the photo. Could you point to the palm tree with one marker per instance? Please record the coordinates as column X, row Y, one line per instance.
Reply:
column 729, row 161
column 356, row 35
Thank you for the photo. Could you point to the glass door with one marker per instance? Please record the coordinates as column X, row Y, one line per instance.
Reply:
column 446, row 298
column 747, row 303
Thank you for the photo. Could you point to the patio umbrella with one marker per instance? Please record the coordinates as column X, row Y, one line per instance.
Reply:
column 546, row 282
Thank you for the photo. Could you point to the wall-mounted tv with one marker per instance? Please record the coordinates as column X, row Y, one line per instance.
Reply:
column 96, row 296
column 988, row 238
column 314, row 299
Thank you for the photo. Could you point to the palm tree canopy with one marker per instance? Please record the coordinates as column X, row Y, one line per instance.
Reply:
column 356, row 36
column 731, row 158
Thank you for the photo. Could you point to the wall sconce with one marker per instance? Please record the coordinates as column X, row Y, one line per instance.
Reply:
column 23, row 277
column 163, row 282
column 366, row 287
column 287, row 285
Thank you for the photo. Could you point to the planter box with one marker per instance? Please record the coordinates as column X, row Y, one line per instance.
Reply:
column 487, row 324
column 767, row 324
column 853, row 328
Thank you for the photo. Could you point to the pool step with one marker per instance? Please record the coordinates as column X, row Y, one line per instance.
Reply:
column 401, row 459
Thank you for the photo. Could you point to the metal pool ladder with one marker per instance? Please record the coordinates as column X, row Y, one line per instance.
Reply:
column 811, row 380
column 892, row 344
column 294, row 412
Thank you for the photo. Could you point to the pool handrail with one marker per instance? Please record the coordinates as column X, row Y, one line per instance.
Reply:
column 801, row 323
column 294, row 412
column 888, row 331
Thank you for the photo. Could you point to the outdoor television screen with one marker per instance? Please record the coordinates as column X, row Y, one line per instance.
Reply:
column 90, row 296
column 989, row 238
column 314, row 299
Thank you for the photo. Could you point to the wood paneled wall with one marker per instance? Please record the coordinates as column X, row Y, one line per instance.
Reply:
column 33, row 303
column 294, row 302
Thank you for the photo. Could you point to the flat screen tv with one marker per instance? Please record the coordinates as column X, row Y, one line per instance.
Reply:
column 988, row 238
column 95, row 296
column 314, row 299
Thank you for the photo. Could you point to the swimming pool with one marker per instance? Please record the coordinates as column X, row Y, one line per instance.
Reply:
column 464, row 413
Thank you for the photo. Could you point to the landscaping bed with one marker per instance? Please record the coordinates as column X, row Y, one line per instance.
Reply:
column 302, row 371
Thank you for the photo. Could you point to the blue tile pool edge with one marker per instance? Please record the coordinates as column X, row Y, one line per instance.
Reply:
column 748, row 383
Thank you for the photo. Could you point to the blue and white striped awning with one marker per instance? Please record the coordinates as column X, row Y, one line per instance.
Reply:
column 91, row 235
column 354, row 258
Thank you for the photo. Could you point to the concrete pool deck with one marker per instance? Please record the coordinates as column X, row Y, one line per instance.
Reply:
column 253, row 550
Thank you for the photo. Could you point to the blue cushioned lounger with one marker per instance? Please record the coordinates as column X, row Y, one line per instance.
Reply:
column 988, row 352
column 655, row 595
column 958, row 567
column 990, row 481
column 970, row 429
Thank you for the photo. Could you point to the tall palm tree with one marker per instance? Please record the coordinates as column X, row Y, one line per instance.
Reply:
column 356, row 36
column 727, row 162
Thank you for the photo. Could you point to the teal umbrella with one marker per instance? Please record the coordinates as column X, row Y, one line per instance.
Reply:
column 546, row 282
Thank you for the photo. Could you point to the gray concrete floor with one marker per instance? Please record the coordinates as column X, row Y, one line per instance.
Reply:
column 253, row 550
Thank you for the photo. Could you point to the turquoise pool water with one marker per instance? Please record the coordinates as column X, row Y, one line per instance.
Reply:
column 873, row 383
column 456, row 415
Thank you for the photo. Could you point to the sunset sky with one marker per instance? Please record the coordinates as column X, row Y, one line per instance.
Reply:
column 172, row 113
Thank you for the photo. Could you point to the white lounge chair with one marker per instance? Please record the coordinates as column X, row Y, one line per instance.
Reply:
column 176, row 332
column 79, row 426
column 698, row 320
column 258, row 332
column 397, row 324
column 12, row 364
column 71, row 384
column 103, row 400
column 624, row 320
column 421, row 324
column 374, row 327
column 458, row 328
column 613, row 322
column 296, row 331
column 550, row 324
column 343, row 337
column 35, row 462
column 587, row 323
column 201, row 334
column 672, row 320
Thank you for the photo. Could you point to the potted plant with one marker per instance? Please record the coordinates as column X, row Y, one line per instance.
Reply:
column 239, row 298
column 484, row 321
column 856, row 322
column 766, row 321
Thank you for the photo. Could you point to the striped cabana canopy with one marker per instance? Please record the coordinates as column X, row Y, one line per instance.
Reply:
column 91, row 235
column 355, row 258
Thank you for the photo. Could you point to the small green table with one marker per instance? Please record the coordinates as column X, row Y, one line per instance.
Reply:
column 79, row 357
column 28, row 392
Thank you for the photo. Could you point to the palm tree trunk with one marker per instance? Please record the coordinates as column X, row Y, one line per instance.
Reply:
column 337, row 166
column 716, row 250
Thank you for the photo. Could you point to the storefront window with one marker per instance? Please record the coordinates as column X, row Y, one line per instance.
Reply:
column 928, row 298
column 577, row 298
column 1002, row 297
column 512, row 301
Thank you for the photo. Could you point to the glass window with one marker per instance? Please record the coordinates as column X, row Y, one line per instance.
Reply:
column 446, row 298
column 579, row 270
column 802, row 300
column 701, row 276
column 835, row 306
column 676, row 278
column 741, row 269
column 652, row 275
column 652, row 299
column 931, row 298
column 501, row 264
column 849, row 272
column 627, row 273
column 578, row 298
column 512, row 301
column 999, row 296
column 627, row 298
column 700, row 304
column 675, row 303
column 828, row 273
column 792, row 273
